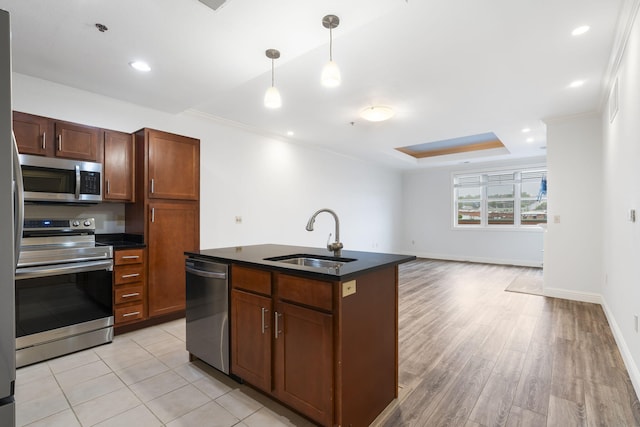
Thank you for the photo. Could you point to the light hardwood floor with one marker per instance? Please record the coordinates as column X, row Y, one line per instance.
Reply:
column 471, row 354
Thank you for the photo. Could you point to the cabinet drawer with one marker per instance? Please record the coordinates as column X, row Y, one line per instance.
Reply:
column 128, row 256
column 130, row 293
column 314, row 293
column 251, row 279
column 129, row 313
column 128, row 274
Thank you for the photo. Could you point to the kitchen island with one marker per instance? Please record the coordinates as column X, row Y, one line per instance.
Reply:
column 316, row 332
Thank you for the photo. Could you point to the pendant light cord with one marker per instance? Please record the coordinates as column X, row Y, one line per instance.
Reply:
column 331, row 43
column 272, row 74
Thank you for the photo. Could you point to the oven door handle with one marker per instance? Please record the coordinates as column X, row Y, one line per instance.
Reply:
column 56, row 270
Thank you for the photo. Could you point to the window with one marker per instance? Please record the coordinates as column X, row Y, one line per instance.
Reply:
column 500, row 199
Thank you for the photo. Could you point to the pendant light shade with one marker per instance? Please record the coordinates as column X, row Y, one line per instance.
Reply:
column 272, row 97
column 331, row 72
column 331, row 75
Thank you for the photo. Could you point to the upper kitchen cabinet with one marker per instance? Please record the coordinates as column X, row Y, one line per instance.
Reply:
column 74, row 141
column 34, row 134
column 118, row 166
column 174, row 166
column 54, row 138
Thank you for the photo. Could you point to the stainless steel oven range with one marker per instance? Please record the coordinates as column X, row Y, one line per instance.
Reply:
column 63, row 289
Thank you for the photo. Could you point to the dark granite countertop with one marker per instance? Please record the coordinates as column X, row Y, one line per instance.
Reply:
column 121, row 240
column 255, row 255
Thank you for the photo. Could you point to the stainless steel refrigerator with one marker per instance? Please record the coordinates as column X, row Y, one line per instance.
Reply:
column 10, row 207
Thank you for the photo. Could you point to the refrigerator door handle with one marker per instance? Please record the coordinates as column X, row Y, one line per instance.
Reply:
column 18, row 199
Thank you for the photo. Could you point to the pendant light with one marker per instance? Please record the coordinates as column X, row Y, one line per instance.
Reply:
column 331, row 72
column 272, row 96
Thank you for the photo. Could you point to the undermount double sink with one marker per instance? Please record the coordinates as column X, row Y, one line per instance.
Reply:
column 315, row 261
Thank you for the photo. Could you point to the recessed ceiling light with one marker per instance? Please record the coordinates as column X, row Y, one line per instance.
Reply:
column 377, row 113
column 576, row 83
column 526, row 130
column 290, row 133
column 140, row 66
column 580, row 30
column 530, row 139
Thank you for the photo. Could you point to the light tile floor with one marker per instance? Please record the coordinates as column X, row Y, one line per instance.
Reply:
column 142, row 379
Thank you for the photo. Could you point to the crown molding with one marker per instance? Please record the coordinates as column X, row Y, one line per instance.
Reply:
column 626, row 20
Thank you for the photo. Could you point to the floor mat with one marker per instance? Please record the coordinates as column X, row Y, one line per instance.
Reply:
column 526, row 284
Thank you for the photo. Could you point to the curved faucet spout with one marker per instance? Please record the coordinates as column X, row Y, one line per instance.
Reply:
column 336, row 246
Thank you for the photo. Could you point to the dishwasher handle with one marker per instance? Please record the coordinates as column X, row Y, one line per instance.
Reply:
column 204, row 273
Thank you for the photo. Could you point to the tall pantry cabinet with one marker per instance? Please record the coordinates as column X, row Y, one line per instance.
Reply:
column 167, row 212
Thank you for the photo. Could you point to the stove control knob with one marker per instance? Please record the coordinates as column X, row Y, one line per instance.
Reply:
column 76, row 223
column 87, row 223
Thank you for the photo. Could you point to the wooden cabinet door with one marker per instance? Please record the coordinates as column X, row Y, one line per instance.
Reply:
column 174, row 166
column 303, row 361
column 251, row 338
column 118, row 166
column 173, row 229
column 77, row 142
column 34, row 134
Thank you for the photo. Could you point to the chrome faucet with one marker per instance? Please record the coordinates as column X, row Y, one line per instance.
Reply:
column 336, row 246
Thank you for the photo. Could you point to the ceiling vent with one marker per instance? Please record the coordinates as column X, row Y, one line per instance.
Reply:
column 214, row 4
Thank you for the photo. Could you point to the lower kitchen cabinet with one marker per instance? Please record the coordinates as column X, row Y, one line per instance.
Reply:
column 129, row 285
column 287, row 352
column 303, row 360
column 173, row 230
column 251, row 346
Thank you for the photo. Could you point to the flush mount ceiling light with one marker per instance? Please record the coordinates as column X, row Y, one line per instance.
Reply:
column 576, row 83
column 377, row 113
column 272, row 96
column 140, row 66
column 580, row 30
column 331, row 72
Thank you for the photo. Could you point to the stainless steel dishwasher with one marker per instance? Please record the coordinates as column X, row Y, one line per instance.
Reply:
column 207, row 314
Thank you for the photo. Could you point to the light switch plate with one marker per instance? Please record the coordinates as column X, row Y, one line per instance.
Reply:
column 348, row 288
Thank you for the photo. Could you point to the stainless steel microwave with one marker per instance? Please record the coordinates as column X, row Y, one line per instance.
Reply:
column 50, row 179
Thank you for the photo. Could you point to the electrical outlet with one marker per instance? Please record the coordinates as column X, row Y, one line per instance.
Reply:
column 556, row 219
column 238, row 220
column 632, row 215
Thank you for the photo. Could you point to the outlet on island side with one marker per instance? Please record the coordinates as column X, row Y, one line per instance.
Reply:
column 238, row 220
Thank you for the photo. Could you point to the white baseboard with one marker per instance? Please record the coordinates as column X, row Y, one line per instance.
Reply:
column 572, row 295
column 632, row 368
column 518, row 262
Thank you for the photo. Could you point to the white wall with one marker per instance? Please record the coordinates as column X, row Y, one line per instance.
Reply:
column 573, row 246
column 621, row 237
column 428, row 225
column 273, row 185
